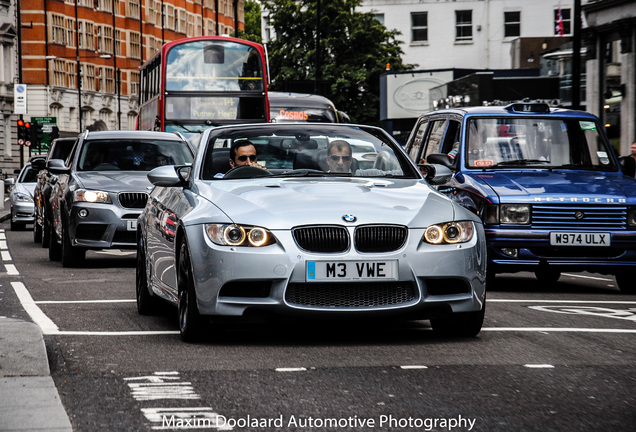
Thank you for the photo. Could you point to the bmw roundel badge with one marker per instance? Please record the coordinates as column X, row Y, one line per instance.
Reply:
column 349, row 218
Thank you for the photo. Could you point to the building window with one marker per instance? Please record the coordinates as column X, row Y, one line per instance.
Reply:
column 132, row 9
column 105, row 39
column 59, row 73
column 87, row 35
column 562, row 22
column 134, row 83
column 118, row 42
column 379, row 17
column 71, row 74
column 464, row 25
column 88, row 77
column 419, row 26
column 182, row 21
column 105, row 5
column 512, row 24
column 58, row 31
column 135, row 45
column 169, row 18
column 70, row 33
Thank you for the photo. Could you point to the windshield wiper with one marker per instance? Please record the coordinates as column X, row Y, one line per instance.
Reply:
column 521, row 162
column 310, row 173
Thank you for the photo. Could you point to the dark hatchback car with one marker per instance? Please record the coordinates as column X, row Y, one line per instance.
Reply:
column 103, row 187
column 60, row 149
column 545, row 182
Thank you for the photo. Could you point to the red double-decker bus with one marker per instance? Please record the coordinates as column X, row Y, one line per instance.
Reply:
column 195, row 83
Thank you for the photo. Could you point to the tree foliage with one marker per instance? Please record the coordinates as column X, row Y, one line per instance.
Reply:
column 252, row 30
column 354, row 51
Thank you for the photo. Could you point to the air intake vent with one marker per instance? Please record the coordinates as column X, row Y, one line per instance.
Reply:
column 380, row 238
column 325, row 239
column 133, row 200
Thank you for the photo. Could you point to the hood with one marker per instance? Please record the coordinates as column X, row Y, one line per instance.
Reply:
column 25, row 188
column 284, row 203
column 559, row 186
column 114, row 181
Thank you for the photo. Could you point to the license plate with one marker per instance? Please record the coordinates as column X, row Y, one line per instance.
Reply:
column 351, row 270
column 131, row 225
column 579, row 239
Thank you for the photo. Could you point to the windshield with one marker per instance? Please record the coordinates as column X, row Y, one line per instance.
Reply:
column 292, row 151
column 29, row 175
column 549, row 143
column 132, row 155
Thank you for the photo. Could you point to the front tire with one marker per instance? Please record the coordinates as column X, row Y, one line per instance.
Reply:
column 37, row 232
column 465, row 324
column 626, row 283
column 191, row 323
column 146, row 302
column 71, row 256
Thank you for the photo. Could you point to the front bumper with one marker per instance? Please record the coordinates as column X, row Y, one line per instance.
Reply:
column 103, row 226
column 432, row 280
column 22, row 212
column 516, row 250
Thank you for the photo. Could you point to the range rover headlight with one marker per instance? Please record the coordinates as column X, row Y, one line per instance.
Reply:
column 239, row 235
column 449, row 233
column 92, row 196
column 517, row 214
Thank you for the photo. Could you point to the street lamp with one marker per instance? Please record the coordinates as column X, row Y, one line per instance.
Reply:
column 79, row 77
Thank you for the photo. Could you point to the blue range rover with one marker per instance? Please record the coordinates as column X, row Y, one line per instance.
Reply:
column 546, row 183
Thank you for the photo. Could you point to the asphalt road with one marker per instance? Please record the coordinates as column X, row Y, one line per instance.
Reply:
column 560, row 357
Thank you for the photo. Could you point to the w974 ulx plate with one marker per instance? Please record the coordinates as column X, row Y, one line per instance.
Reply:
column 320, row 271
column 579, row 239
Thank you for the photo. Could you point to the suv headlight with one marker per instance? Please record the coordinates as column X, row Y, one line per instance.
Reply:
column 92, row 196
column 449, row 233
column 516, row 214
column 239, row 235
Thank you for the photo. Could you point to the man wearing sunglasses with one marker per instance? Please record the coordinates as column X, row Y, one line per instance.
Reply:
column 339, row 156
column 243, row 153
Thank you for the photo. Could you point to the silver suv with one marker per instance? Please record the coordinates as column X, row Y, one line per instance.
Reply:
column 102, row 189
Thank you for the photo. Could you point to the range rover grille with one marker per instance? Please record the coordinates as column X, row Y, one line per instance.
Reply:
column 579, row 216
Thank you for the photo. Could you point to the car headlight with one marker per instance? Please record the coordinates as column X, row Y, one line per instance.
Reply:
column 517, row 214
column 449, row 233
column 22, row 197
column 239, row 235
column 92, row 196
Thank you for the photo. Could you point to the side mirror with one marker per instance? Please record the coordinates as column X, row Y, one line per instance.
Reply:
column 57, row 166
column 166, row 176
column 628, row 165
column 9, row 181
column 441, row 159
column 436, row 174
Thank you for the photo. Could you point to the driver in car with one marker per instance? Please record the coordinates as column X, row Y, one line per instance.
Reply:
column 243, row 153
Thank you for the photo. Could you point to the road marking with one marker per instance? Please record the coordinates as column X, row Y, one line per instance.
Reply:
column 561, row 301
column 539, row 366
column 111, row 333
column 36, row 314
column 6, row 256
column 83, row 301
column 115, row 252
column 588, row 277
column 11, row 270
column 3, row 244
column 558, row 329
column 2, row 235
column 291, row 369
column 413, row 367
column 627, row 314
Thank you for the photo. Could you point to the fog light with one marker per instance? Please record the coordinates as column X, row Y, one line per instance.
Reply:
column 511, row 252
column 83, row 213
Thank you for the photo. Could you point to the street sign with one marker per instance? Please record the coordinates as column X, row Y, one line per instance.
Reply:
column 47, row 130
column 20, row 99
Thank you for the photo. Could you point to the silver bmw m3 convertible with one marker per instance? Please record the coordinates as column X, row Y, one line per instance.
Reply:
column 308, row 220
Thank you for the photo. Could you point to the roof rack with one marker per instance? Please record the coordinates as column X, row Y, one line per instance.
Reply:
column 528, row 107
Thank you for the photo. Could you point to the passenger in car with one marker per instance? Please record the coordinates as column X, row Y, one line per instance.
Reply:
column 339, row 156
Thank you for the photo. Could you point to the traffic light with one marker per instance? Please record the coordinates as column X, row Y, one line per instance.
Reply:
column 55, row 133
column 36, row 133
column 21, row 132
column 27, row 134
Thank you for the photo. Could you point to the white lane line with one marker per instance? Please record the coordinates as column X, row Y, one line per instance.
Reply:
column 539, row 366
column 558, row 329
column 6, row 256
column 114, row 333
column 83, row 301
column 36, row 314
column 490, row 300
column 2, row 235
column 588, row 277
column 11, row 270
column 291, row 369
column 414, row 367
column 3, row 244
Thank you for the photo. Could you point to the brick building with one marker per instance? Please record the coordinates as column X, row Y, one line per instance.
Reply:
column 101, row 44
